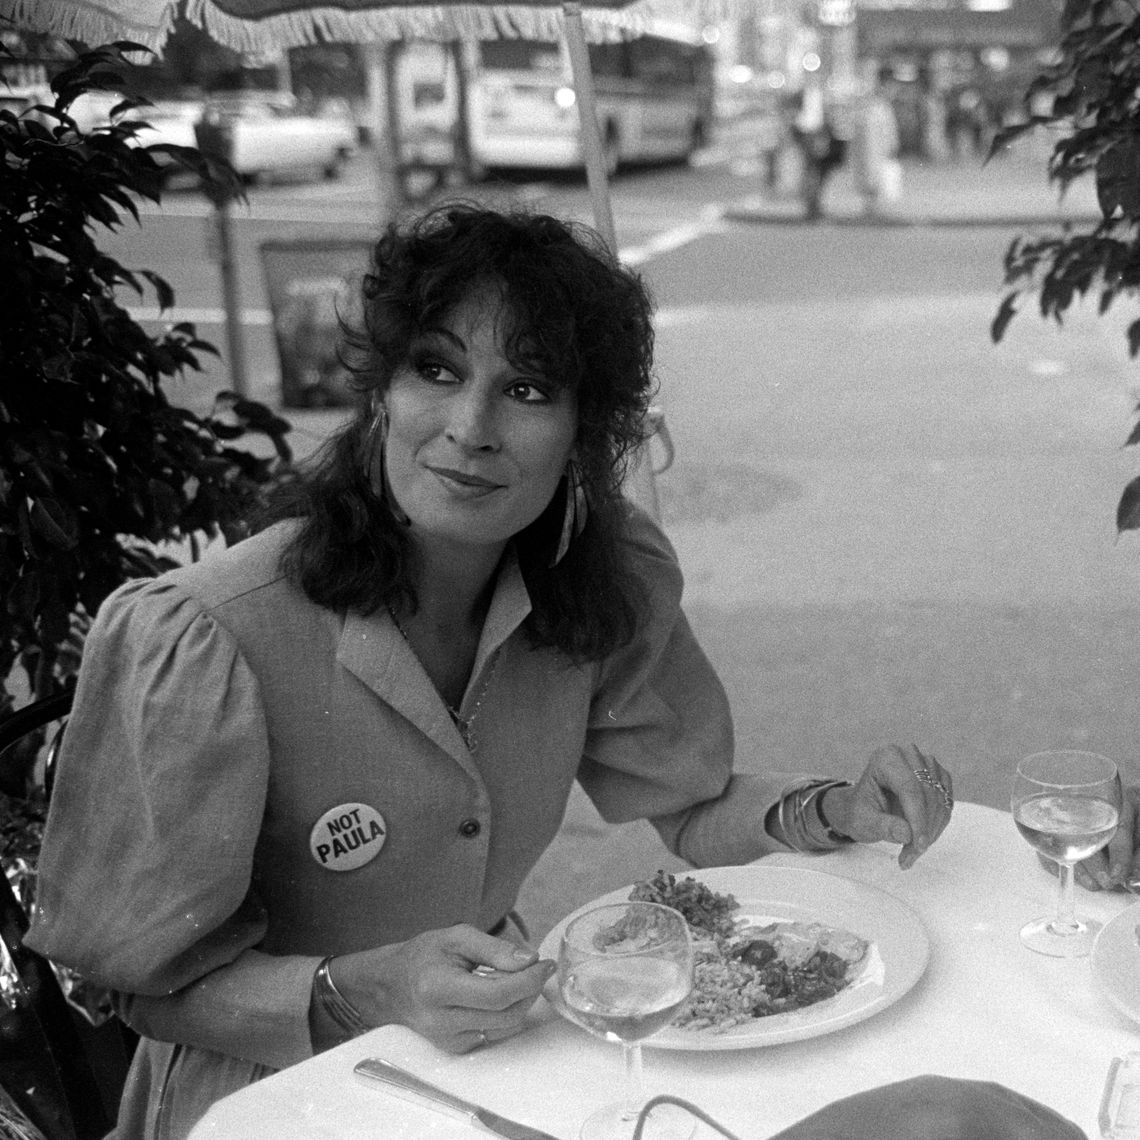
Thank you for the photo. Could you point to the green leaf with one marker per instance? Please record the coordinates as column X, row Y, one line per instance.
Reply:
column 54, row 619
column 57, row 367
column 1006, row 312
column 24, row 597
column 163, row 292
column 1128, row 509
column 55, row 522
column 1118, row 178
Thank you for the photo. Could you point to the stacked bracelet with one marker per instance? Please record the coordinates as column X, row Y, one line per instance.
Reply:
column 815, row 795
column 335, row 1004
column 795, row 818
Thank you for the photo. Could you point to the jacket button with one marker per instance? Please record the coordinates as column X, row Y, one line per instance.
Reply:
column 469, row 828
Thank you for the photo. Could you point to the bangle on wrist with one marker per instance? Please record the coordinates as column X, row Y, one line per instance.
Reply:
column 834, row 836
column 788, row 825
column 335, row 1004
column 804, row 829
column 805, row 799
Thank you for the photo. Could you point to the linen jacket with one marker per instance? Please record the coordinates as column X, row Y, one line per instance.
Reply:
column 250, row 782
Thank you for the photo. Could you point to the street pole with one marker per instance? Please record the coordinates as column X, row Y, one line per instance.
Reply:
column 640, row 480
column 464, row 162
column 284, row 72
column 383, row 116
column 215, row 138
column 592, row 154
column 231, row 297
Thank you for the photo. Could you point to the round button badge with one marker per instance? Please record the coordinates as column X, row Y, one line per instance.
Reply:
column 347, row 837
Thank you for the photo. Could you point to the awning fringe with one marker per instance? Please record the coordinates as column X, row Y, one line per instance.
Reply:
column 146, row 22
column 149, row 22
column 381, row 24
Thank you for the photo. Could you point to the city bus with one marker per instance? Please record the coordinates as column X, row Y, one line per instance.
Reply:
column 654, row 97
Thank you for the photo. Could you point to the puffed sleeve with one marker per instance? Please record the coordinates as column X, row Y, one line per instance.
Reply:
column 145, row 870
column 660, row 742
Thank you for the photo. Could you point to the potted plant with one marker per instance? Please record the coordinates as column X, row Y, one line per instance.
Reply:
column 103, row 477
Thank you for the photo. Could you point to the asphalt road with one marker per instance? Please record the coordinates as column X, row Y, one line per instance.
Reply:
column 891, row 529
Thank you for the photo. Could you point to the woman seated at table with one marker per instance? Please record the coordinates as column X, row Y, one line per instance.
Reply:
column 305, row 778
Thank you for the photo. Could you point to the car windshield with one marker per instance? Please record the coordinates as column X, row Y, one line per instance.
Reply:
column 520, row 55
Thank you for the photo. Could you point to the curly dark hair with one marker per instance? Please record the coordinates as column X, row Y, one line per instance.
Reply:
column 578, row 317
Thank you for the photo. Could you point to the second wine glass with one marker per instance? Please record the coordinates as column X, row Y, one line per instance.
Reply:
column 624, row 972
column 1067, row 805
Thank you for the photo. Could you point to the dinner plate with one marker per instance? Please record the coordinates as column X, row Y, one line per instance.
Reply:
column 1116, row 962
column 897, row 956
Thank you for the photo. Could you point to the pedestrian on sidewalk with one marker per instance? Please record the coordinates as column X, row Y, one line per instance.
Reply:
column 874, row 149
column 304, row 779
column 771, row 138
column 967, row 122
column 821, row 148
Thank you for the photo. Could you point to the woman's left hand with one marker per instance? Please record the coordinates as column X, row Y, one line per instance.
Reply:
column 903, row 796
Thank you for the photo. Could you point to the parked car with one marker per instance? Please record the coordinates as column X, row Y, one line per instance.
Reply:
column 171, row 121
column 272, row 135
column 21, row 98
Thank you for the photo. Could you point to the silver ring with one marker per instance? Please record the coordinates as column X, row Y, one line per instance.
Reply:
column 925, row 776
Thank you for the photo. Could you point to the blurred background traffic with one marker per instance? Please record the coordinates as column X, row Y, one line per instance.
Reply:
column 953, row 71
column 779, row 98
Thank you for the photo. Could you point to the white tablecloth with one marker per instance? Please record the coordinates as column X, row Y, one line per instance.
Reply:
column 985, row 1008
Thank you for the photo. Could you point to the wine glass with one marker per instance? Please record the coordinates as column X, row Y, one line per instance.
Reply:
column 1067, row 805
column 624, row 971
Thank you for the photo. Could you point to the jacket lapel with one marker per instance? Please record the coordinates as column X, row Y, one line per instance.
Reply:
column 510, row 605
column 372, row 649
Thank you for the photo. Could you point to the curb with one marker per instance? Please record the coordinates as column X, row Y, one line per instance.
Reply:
column 848, row 217
column 903, row 221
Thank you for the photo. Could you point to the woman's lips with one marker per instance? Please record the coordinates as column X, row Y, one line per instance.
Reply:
column 464, row 483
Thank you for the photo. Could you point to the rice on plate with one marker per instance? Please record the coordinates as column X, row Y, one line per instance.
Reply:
column 743, row 970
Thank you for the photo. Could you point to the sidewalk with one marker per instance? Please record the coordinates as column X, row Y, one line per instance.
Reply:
column 1011, row 190
column 891, row 578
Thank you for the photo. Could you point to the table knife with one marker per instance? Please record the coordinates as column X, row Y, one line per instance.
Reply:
column 376, row 1069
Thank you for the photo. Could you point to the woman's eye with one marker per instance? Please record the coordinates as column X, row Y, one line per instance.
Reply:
column 528, row 392
column 435, row 371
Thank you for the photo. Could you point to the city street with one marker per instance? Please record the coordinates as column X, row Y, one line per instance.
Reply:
column 891, row 528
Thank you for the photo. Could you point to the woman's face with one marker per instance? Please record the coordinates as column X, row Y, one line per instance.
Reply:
column 476, row 446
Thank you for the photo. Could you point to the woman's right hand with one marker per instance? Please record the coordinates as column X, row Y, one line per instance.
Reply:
column 1116, row 866
column 428, row 984
column 935, row 1108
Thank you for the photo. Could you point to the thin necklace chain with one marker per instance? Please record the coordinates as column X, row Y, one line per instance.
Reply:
column 464, row 725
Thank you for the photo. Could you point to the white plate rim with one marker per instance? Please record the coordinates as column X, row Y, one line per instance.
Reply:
column 1115, row 958
column 896, row 931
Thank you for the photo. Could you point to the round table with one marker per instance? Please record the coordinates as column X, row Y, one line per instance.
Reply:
column 985, row 1008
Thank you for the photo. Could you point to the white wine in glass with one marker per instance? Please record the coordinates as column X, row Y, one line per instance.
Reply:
column 1066, row 804
column 624, row 972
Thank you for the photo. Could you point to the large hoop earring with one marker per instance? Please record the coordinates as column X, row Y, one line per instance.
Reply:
column 574, row 515
column 375, row 470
